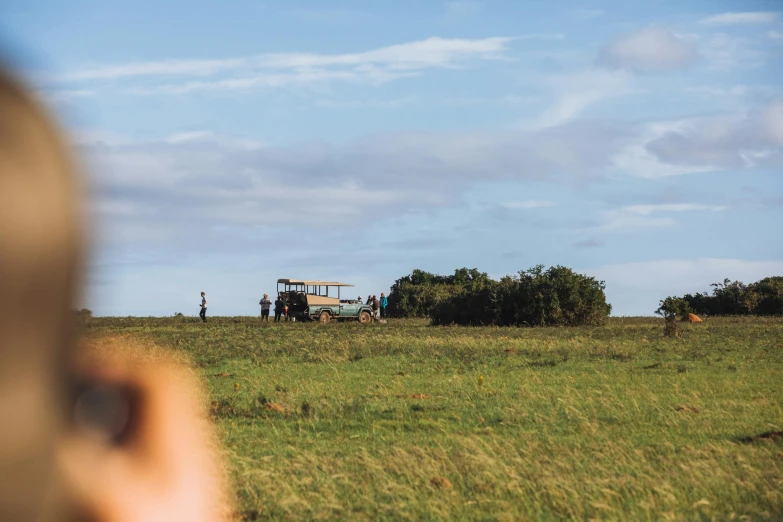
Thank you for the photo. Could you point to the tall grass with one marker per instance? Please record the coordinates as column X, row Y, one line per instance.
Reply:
column 408, row 421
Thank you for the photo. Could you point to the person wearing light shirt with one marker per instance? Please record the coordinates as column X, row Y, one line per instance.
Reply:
column 265, row 305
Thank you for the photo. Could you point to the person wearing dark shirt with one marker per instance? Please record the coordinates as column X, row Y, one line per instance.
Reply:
column 375, row 306
column 279, row 305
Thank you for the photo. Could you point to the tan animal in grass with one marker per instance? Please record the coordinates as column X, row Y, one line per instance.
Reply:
column 693, row 318
column 115, row 439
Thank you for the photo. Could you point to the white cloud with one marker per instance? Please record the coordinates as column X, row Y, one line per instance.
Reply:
column 775, row 35
column 588, row 14
column 371, row 103
column 649, row 50
column 183, row 137
column 724, row 52
column 463, row 8
column 577, row 92
column 772, row 116
column 634, row 217
column 236, row 182
column 735, row 91
column 541, row 36
column 202, row 136
column 749, row 139
column 282, row 69
column 757, row 17
column 646, row 210
column 589, row 243
column 636, row 288
column 56, row 96
column 530, row 203
column 234, row 185
column 508, row 100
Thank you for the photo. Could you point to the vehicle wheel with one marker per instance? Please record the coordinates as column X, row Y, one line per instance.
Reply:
column 364, row 317
column 324, row 317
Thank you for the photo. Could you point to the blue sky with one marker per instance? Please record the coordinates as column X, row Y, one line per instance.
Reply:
column 229, row 144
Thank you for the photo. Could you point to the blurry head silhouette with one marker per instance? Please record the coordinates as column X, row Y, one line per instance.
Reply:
column 119, row 437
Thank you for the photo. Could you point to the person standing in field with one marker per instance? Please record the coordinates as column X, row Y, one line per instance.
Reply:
column 278, row 308
column 375, row 306
column 265, row 305
column 203, row 313
column 384, row 304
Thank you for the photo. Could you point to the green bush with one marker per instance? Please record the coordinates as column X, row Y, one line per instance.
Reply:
column 671, row 307
column 416, row 295
column 535, row 297
column 764, row 297
column 769, row 292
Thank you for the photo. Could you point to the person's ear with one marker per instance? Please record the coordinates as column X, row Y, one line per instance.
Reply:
column 141, row 448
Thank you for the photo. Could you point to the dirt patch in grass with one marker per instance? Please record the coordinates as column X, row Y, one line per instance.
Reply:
column 441, row 483
column 274, row 406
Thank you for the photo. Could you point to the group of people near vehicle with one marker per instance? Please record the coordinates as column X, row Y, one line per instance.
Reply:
column 378, row 306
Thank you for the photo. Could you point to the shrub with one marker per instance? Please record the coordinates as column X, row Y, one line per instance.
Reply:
column 416, row 295
column 671, row 307
column 769, row 292
column 764, row 297
column 555, row 297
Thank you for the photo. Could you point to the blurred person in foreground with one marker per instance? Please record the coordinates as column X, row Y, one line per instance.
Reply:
column 112, row 432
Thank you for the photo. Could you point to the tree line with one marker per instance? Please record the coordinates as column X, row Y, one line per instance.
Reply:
column 557, row 296
column 764, row 297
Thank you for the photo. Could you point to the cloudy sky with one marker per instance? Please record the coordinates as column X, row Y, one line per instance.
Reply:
column 229, row 144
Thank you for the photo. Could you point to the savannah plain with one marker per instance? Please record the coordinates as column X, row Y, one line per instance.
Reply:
column 405, row 421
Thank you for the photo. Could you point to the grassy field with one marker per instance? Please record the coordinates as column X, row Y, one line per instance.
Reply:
column 406, row 421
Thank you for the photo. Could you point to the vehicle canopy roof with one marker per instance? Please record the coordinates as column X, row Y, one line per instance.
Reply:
column 310, row 282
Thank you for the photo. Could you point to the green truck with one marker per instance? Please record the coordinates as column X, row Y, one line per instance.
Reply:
column 312, row 300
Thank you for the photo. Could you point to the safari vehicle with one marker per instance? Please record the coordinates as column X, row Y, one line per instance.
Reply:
column 320, row 301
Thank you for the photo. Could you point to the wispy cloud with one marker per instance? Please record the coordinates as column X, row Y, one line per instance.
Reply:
column 508, row 100
column 282, row 69
column 462, row 8
column 588, row 14
column 64, row 95
column 738, row 91
column 775, row 35
column 725, row 52
column 752, row 17
column 644, row 216
column 649, row 50
column 153, row 184
column 529, row 203
column 646, row 210
column 576, row 92
column 589, row 243
column 752, row 138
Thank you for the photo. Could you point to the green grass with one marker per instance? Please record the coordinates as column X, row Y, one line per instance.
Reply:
column 613, row 422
